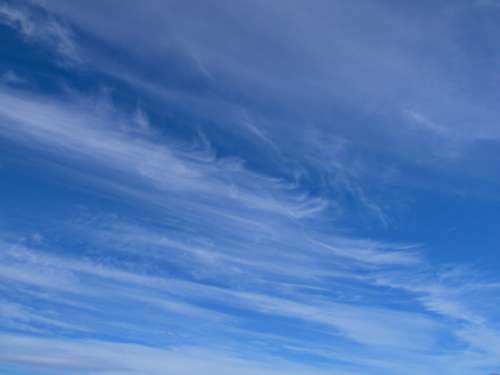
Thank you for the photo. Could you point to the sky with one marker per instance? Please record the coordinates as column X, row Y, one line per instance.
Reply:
column 242, row 187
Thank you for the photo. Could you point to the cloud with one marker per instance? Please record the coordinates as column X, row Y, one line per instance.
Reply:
column 97, row 139
column 112, row 358
column 37, row 26
column 358, row 323
column 425, row 123
column 16, row 316
column 10, row 77
column 317, row 64
column 223, row 208
column 415, row 336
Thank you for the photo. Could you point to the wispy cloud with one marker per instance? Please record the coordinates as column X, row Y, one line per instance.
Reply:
column 187, row 301
column 99, row 139
column 360, row 324
column 38, row 26
column 231, row 203
column 113, row 358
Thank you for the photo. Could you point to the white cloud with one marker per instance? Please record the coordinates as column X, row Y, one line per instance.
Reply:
column 114, row 358
column 367, row 325
column 89, row 139
column 236, row 251
column 16, row 316
column 42, row 28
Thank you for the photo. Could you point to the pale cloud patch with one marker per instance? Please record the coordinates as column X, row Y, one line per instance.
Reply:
column 42, row 28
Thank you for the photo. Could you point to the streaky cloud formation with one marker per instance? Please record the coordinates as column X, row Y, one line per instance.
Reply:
column 249, row 187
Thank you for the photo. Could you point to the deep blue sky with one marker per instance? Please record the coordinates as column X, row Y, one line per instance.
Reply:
column 237, row 187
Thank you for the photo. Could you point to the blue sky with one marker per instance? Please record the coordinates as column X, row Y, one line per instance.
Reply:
column 236, row 187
